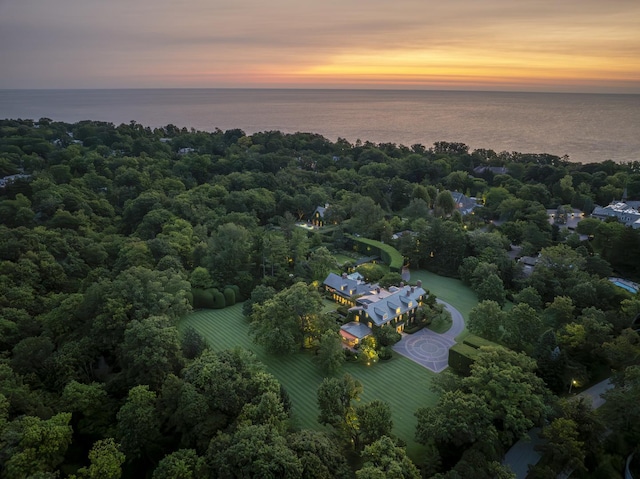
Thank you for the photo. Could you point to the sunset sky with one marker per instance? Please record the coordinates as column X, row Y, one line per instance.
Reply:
column 535, row 45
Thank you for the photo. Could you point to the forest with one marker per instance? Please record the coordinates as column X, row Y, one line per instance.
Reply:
column 111, row 234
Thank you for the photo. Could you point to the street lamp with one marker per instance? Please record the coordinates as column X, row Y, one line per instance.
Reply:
column 573, row 383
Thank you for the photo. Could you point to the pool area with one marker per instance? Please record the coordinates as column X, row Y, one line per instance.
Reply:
column 628, row 285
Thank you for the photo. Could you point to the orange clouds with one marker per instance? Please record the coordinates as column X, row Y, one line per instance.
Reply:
column 587, row 45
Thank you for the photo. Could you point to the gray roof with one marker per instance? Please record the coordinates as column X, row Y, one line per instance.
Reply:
column 320, row 210
column 625, row 213
column 464, row 204
column 359, row 330
column 347, row 287
column 496, row 170
column 383, row 305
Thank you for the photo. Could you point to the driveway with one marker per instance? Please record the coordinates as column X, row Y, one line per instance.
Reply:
column 523, row 452
column 430, row 349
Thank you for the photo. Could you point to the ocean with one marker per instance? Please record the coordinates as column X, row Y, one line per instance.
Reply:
column 586, row 127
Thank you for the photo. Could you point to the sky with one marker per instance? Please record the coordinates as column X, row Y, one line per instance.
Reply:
column 510, row 45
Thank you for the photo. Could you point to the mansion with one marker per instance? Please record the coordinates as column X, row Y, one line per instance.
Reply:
column 373, row 306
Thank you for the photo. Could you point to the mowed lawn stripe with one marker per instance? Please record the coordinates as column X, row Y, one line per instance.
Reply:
column 400, row 382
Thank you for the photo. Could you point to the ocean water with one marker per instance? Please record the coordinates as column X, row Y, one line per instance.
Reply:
column 586, row 127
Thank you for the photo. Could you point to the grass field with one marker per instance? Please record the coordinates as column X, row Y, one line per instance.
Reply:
column 401, row 382
column 450, row 290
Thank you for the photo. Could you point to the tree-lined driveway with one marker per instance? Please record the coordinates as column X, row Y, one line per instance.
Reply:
column 431, row 349
column 523, row 452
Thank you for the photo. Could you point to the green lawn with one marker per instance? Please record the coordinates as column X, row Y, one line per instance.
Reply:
column 450, row 290
column 342, row 258
column 401, row 382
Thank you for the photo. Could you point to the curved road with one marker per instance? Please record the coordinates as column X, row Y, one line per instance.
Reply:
column 430, row 349
column 523, row 452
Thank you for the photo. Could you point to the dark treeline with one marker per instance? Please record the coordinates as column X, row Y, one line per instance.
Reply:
column 111, row 234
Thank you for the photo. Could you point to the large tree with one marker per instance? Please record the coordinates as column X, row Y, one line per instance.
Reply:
column 330, row 354
column 253, row 452
column 283, row 323
column 384, row 459
column 335, row 401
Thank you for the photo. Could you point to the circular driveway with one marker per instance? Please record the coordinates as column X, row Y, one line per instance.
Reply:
column 430, row 349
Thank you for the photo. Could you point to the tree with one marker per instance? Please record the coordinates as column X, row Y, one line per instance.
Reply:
column 92, row 409
column 253, row 452
column 486, row 320
column 506, row 381
column 383, row 459
column 192, row 343
column 34, row 446
column 624, row 350
column 229, row 252
column 266, row 409
column 559, row 312
column 562, row 451
column 522, row 327
column 551, row 360
column 529, row 296
column 151, row 349
column 330, row 355
column 106, row 461
column 491, row 288
column 321, row 262
column 259, row 295
column 459, row 418
column 284, row 323
column 319, row 455
column 374, row 421
column 445, row 203
column 335, row 398
column 621, row 411
column 200, row 278
column 138, row 427
column 181, row 464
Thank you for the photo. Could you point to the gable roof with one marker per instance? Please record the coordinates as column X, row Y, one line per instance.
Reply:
column 358, row 330
column 384, row 305
column 320, row 210
column 346, row 286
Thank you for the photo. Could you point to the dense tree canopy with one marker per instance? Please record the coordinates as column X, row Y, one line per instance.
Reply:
column 111, row 234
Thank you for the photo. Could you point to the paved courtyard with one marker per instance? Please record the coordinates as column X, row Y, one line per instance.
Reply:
column 431, row 349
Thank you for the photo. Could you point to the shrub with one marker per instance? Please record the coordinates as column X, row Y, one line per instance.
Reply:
column 217, row 298
column 477, row 342
column 202, row 299
column 229, row 296
column 461, row 357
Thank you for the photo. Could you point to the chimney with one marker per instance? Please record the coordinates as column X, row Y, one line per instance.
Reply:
column 402, row 284
column 378, row 290
column 409, row 292
column 413, row 289
column 344, row 275
column 419, row 284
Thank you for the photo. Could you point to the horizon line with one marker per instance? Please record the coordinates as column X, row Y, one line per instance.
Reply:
column 452, row 90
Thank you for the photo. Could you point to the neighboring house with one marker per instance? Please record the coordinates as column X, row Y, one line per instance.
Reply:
column 622, row 211
column 571, row 220
column 344, row 290
column 395, row 307
column 185, row 151
column 464, row 204
column 528, row 264
column 400, row 234
column 7, row 180
column 317, row 219
column 496, row 170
